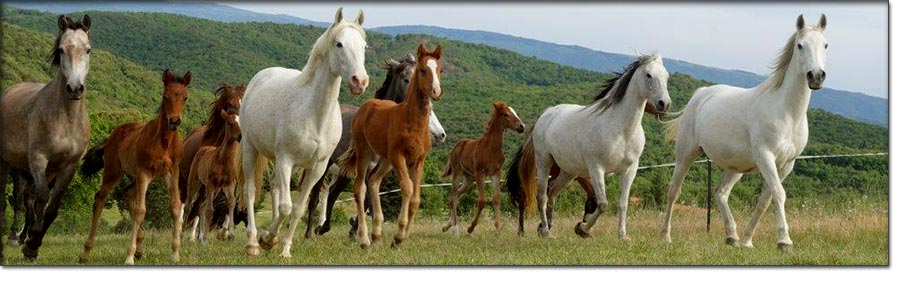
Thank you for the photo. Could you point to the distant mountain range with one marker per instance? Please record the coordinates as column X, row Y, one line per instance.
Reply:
column 853, row 105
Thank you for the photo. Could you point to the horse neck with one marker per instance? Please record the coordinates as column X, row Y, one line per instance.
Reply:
column 225, row 151
column 325, row 87
column 417, row 106
column 629, row 112
column 794, row 93
column 493, row 136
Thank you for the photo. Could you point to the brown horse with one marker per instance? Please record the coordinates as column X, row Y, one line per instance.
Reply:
column 520, row 195
column 44, row 130
column 212, row 133
column 398, row 135
column 214, row 169
column 144, row 151
column 472, row 160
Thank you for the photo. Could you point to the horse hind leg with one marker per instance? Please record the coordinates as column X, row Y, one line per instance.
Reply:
column 723, row 190
column 599, row 190
column 416, row 199
column 311, row 208
column 227, row 232
column 406, row 192
column 460, row 183
column 496, row 200
column 479, row 182
column 310, row 177
column 112, row 175
column 334, row 190
column 379, row 172
column 4, row 174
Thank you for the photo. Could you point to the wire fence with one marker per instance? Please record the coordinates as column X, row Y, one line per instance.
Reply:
column 667, row 165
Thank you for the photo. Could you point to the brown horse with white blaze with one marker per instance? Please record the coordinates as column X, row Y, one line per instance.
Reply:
column 472, row 160
column 398, row 135
column 144, row 151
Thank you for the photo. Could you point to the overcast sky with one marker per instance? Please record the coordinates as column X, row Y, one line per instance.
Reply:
column 731, row 36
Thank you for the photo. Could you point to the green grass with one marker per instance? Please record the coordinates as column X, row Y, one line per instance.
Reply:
column 855, row 234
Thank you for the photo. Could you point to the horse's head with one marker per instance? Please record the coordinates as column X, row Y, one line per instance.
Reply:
column 428, row 71
column 436, row 129
column 651, row 80
column 174, row 96
column 347, row 45
column 810, row 46
column 232, row 125
column 72, row 53
column 396, row 82
column 508, row 117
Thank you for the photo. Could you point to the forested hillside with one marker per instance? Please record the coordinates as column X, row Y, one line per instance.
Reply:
column 133, row 48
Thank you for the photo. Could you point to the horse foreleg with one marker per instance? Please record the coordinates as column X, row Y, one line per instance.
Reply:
column 729, row 178
column 359, row 194
column 138, row 211
column 40, row 194
column 495, row 179
column 479, row 183
column 310, row 177
column 765, row 162
column 599, row 190
column 589, row 203
column 248, row 167
column 543, row 176
column 229, row 220
column 313, row 203
column 406, row 192
column 625, row 181
column 685, row 154
column 459, row 183
column 556, row 185
column 4, row 174
column 416, row 200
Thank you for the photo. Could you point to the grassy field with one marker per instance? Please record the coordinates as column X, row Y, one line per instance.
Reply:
column 855, row 235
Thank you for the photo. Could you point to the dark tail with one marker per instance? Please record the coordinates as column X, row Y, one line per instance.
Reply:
column 454, row 156
column 520, row 178
column 93, row 160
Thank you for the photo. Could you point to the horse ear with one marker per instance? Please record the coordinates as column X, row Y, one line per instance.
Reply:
column 338, row 16
column 360, row 17
column 186, row 78
column 86, row 23
column 166, row 76
column 822, row 22
column 410, row 57
column 63, row 23
column 437, row 52
column 393, row 63
column 498, row 105
column 800, row 22
column 421, row 51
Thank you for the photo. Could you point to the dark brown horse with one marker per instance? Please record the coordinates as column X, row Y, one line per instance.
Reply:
column 212, row 133
column 215, row 169
column 472, row 160
column 143, row 151
column 44, row 130
column 398, row 135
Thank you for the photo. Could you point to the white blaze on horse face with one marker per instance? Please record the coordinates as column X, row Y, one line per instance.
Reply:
column 811, row 51
column 350, row 50
column 75, row 59
column 515, row 114
column 436, row 81
column 656, row 83
column 435, row 127
column 237, row 119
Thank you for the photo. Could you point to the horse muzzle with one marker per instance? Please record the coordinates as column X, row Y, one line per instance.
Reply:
column 76, row 93
column 358, row 84
column 520, row 129
column 815, row 79
column 439, row 137
column 173, row 124
column 437, row 94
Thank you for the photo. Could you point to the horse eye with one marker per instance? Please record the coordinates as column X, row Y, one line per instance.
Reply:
column 649, row 76
column 60, row 50
column 339, row 45
column 89, row 51
column 826, row 45
column 422, row 72
column 799, row 46
column 185, row 98
column 406, row 80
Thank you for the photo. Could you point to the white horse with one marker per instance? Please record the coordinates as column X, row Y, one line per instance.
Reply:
column 744, row 130
column 596, row 140
column 293, row 117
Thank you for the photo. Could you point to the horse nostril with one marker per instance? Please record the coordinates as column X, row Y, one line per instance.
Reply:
column 81, row 88
column 809, row 75
column 661, row 104
column 823, row 74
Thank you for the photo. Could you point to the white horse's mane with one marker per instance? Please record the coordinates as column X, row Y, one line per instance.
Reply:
column 779, row 68
column 615, row 87
column 321, row 48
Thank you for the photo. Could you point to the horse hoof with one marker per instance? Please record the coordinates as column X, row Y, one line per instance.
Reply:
column 747, row 244
column 84, row 258
column 364, row 246
column 253, row 250
column 581, row 232
column 445, row 228
column 138, row 255
column 176, row 258
column 625, row 238
column 268, row 240
column 13, row 242
column 731, row 241
column 470, row 230
column 786, row 248
column 30, row 254
column 455, row 230
column 396, row 243
column 521, row 233
column 544, row 232
column 320, row 230
column 129, row 261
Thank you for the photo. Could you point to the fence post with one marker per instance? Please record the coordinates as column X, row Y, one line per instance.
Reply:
column 708, row 191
